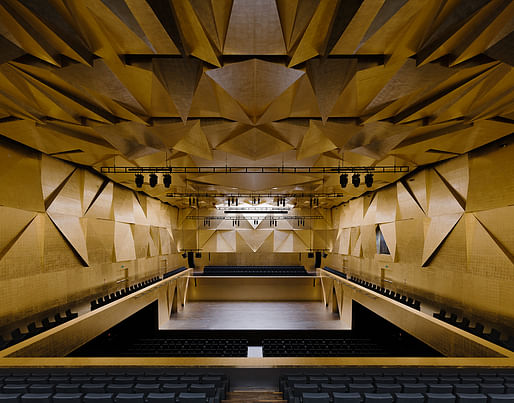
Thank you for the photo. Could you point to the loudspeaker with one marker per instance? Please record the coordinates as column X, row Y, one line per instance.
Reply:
column 191, row 260
column 317, row 261
column 310, row 255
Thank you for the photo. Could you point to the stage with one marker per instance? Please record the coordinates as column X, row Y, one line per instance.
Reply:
column 253, row 315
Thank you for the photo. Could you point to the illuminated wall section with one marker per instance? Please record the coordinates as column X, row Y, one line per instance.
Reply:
column 448, row 229
column 67, row 233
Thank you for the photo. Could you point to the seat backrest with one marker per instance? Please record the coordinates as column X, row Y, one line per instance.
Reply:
column 322, row 397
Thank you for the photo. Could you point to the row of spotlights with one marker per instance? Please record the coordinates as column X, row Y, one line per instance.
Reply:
column 152, row 180
column 356, row 180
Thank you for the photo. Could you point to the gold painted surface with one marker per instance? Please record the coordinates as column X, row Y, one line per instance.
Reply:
column 447, row 339
column 254, row 289
column 65, row 338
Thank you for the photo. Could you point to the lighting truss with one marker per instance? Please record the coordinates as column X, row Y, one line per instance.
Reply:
column 256, row 218
column 244, row 210
column 253, row 195
column 255, row 170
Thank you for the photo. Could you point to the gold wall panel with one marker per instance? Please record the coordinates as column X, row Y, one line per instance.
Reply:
column 254, row 289
column 451, row 242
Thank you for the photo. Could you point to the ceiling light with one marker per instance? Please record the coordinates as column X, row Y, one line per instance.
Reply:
column 343, row 180
column 153, row 180
column 166, row 180
column 140, row 179
column 356, row 180
column 368, row 180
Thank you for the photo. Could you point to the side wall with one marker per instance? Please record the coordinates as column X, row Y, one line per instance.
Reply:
column 67, row 233
column 449, row 229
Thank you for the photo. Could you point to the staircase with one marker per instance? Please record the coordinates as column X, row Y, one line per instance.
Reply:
column 246, row 396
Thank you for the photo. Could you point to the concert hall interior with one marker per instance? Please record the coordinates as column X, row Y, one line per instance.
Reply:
column 256, row 200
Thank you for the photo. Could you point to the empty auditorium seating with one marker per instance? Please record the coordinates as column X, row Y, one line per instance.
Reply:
column 160, row 347
column 173, row 272
column 336, row 272
column 300, row 347
column 399, row 385
column 493, row 336
column 111, row 386
column 411, row 302
column 32, row 329
column 255, row 271
column 102, row 301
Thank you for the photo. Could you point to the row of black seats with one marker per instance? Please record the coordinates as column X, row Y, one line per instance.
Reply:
column 158, row 397
column 321, row 348
column 341, row 397
column 102, row 301
column 393, row 385
column 189, row 348
column 478, row 330
column 173, row 272
column 17, row 335
column 254, row 271
column 411, row 302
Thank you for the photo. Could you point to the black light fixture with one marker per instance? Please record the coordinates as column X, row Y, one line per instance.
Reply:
column 184, row 255
column 343, row 180
column 325, row 254
column 153, row 180
column 368, row 180
column 166, row 180
column 356, row 180
column 140, row 179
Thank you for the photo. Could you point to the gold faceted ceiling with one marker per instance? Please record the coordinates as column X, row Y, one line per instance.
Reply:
column 256, row 83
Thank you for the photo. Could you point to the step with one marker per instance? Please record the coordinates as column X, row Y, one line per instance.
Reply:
column 254, row 396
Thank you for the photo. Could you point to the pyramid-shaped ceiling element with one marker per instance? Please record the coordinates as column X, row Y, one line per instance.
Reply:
column 15, row 222
column 121, row 10
column 254, row 83
column 254, row 29
column 329, row 77
column 195, row 143
column 214, row 16
column 164, row 11
column 180, row 77
column 295, row 15
column 439, row 228
column 314, row 142
column 255, row 144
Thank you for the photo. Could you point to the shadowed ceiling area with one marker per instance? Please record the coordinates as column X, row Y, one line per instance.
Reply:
column 256, row 83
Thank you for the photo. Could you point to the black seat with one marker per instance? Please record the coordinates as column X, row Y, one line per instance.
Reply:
column 174, row 388
column 439, row 398
column 346, row 397
column 130, row 398
column 67, row 398
column 160, row 397
column 378, row 398
column 315, row 397
column 471, row 398
column 192, row 397
column 409, row 398
column 36, row 398
column 97, row 398
column 501, row 398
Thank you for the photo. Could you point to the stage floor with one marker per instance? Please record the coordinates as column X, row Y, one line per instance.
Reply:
column 253, row 316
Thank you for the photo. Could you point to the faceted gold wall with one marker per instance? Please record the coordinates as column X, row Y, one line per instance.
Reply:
column 449, row 229
column 67, row 233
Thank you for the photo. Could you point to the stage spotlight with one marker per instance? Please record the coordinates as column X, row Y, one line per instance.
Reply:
column 325, row 254
column 368, row 180
column 153, row 180
column 356, row 180
column 166, row 180
column 343, row 180
column 184, row 255
column 140, row 179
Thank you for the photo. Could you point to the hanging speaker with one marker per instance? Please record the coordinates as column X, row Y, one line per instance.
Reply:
column 191, row 260
column 317, row 260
